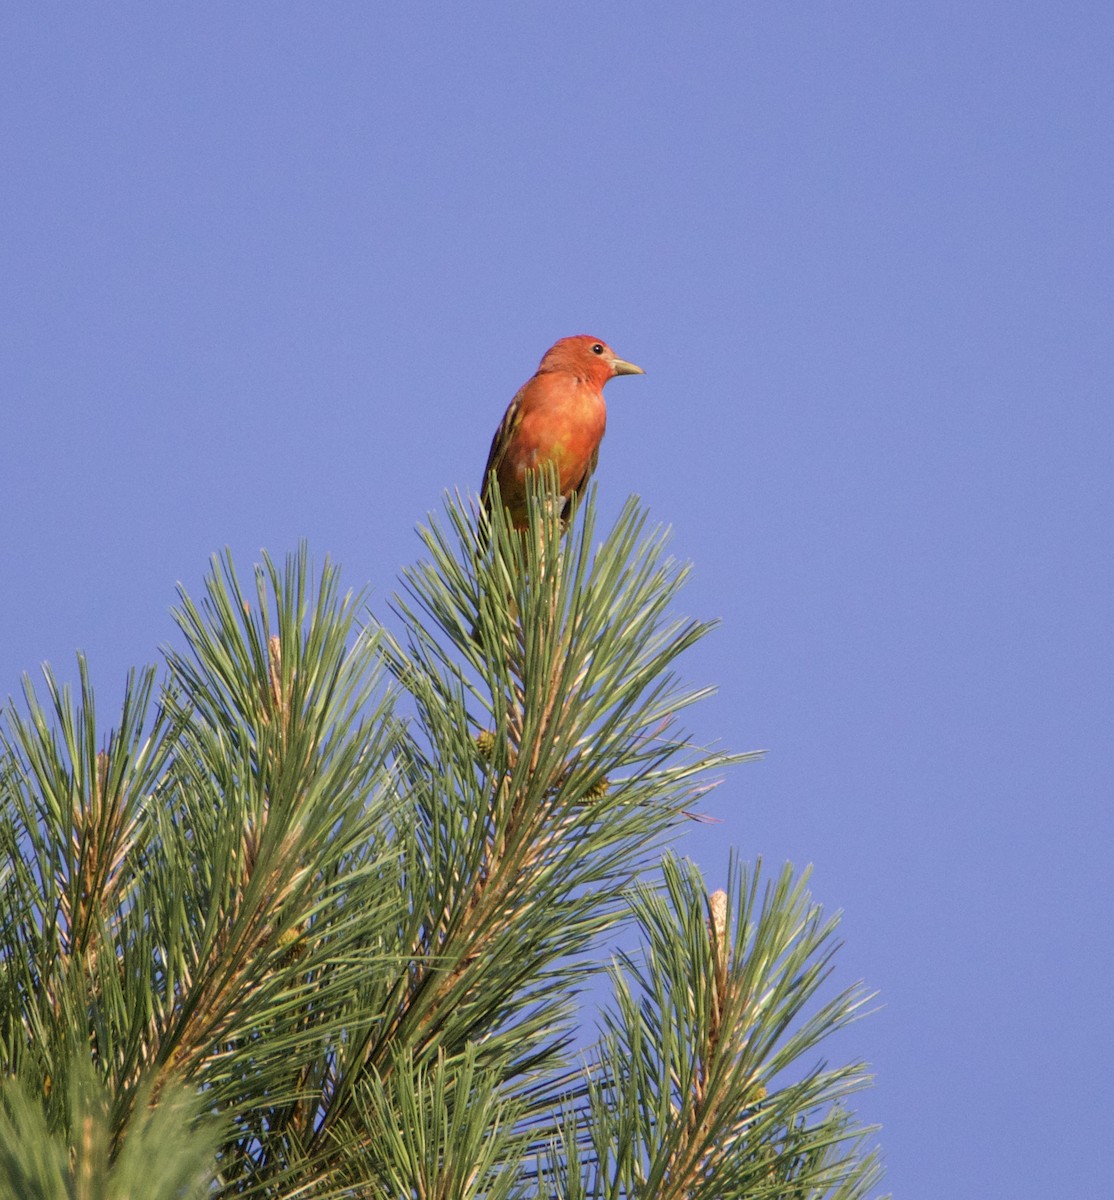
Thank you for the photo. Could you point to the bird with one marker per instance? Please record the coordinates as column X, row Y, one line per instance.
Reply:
column 557, row 417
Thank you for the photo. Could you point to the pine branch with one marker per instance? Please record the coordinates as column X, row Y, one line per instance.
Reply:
column 345, row 884
column 40, row 1162
column 696, row 1089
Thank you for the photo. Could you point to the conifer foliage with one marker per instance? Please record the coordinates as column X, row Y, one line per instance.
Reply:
column 311, row 914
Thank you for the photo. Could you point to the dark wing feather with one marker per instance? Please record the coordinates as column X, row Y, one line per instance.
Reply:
column 589, row 470
column 512, row 418
column 580, row 484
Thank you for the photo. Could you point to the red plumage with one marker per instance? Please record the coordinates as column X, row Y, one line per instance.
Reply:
column 558, row 416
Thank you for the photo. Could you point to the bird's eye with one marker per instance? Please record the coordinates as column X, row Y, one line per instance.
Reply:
column 597, row 348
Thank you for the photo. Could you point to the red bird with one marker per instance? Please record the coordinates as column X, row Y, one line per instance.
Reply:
column 558, row 416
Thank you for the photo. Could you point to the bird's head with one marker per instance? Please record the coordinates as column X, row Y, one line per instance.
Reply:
column 588, row 358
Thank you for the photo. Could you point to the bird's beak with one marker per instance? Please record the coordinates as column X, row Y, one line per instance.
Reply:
column 621, row 367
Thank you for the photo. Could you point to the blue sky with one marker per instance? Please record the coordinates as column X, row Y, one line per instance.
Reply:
column 273, row 271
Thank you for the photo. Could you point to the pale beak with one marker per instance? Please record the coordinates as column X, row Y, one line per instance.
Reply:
column 620, row 366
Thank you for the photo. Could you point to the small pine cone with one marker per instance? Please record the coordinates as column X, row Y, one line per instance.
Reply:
column 293, row 942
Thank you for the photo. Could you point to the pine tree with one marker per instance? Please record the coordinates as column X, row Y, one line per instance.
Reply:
column 311, row 917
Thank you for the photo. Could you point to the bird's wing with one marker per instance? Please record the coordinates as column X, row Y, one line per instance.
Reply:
column 579, row 485
column 576, row 488
column 512, row 418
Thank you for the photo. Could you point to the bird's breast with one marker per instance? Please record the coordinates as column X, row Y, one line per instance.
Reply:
column 565, row 431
